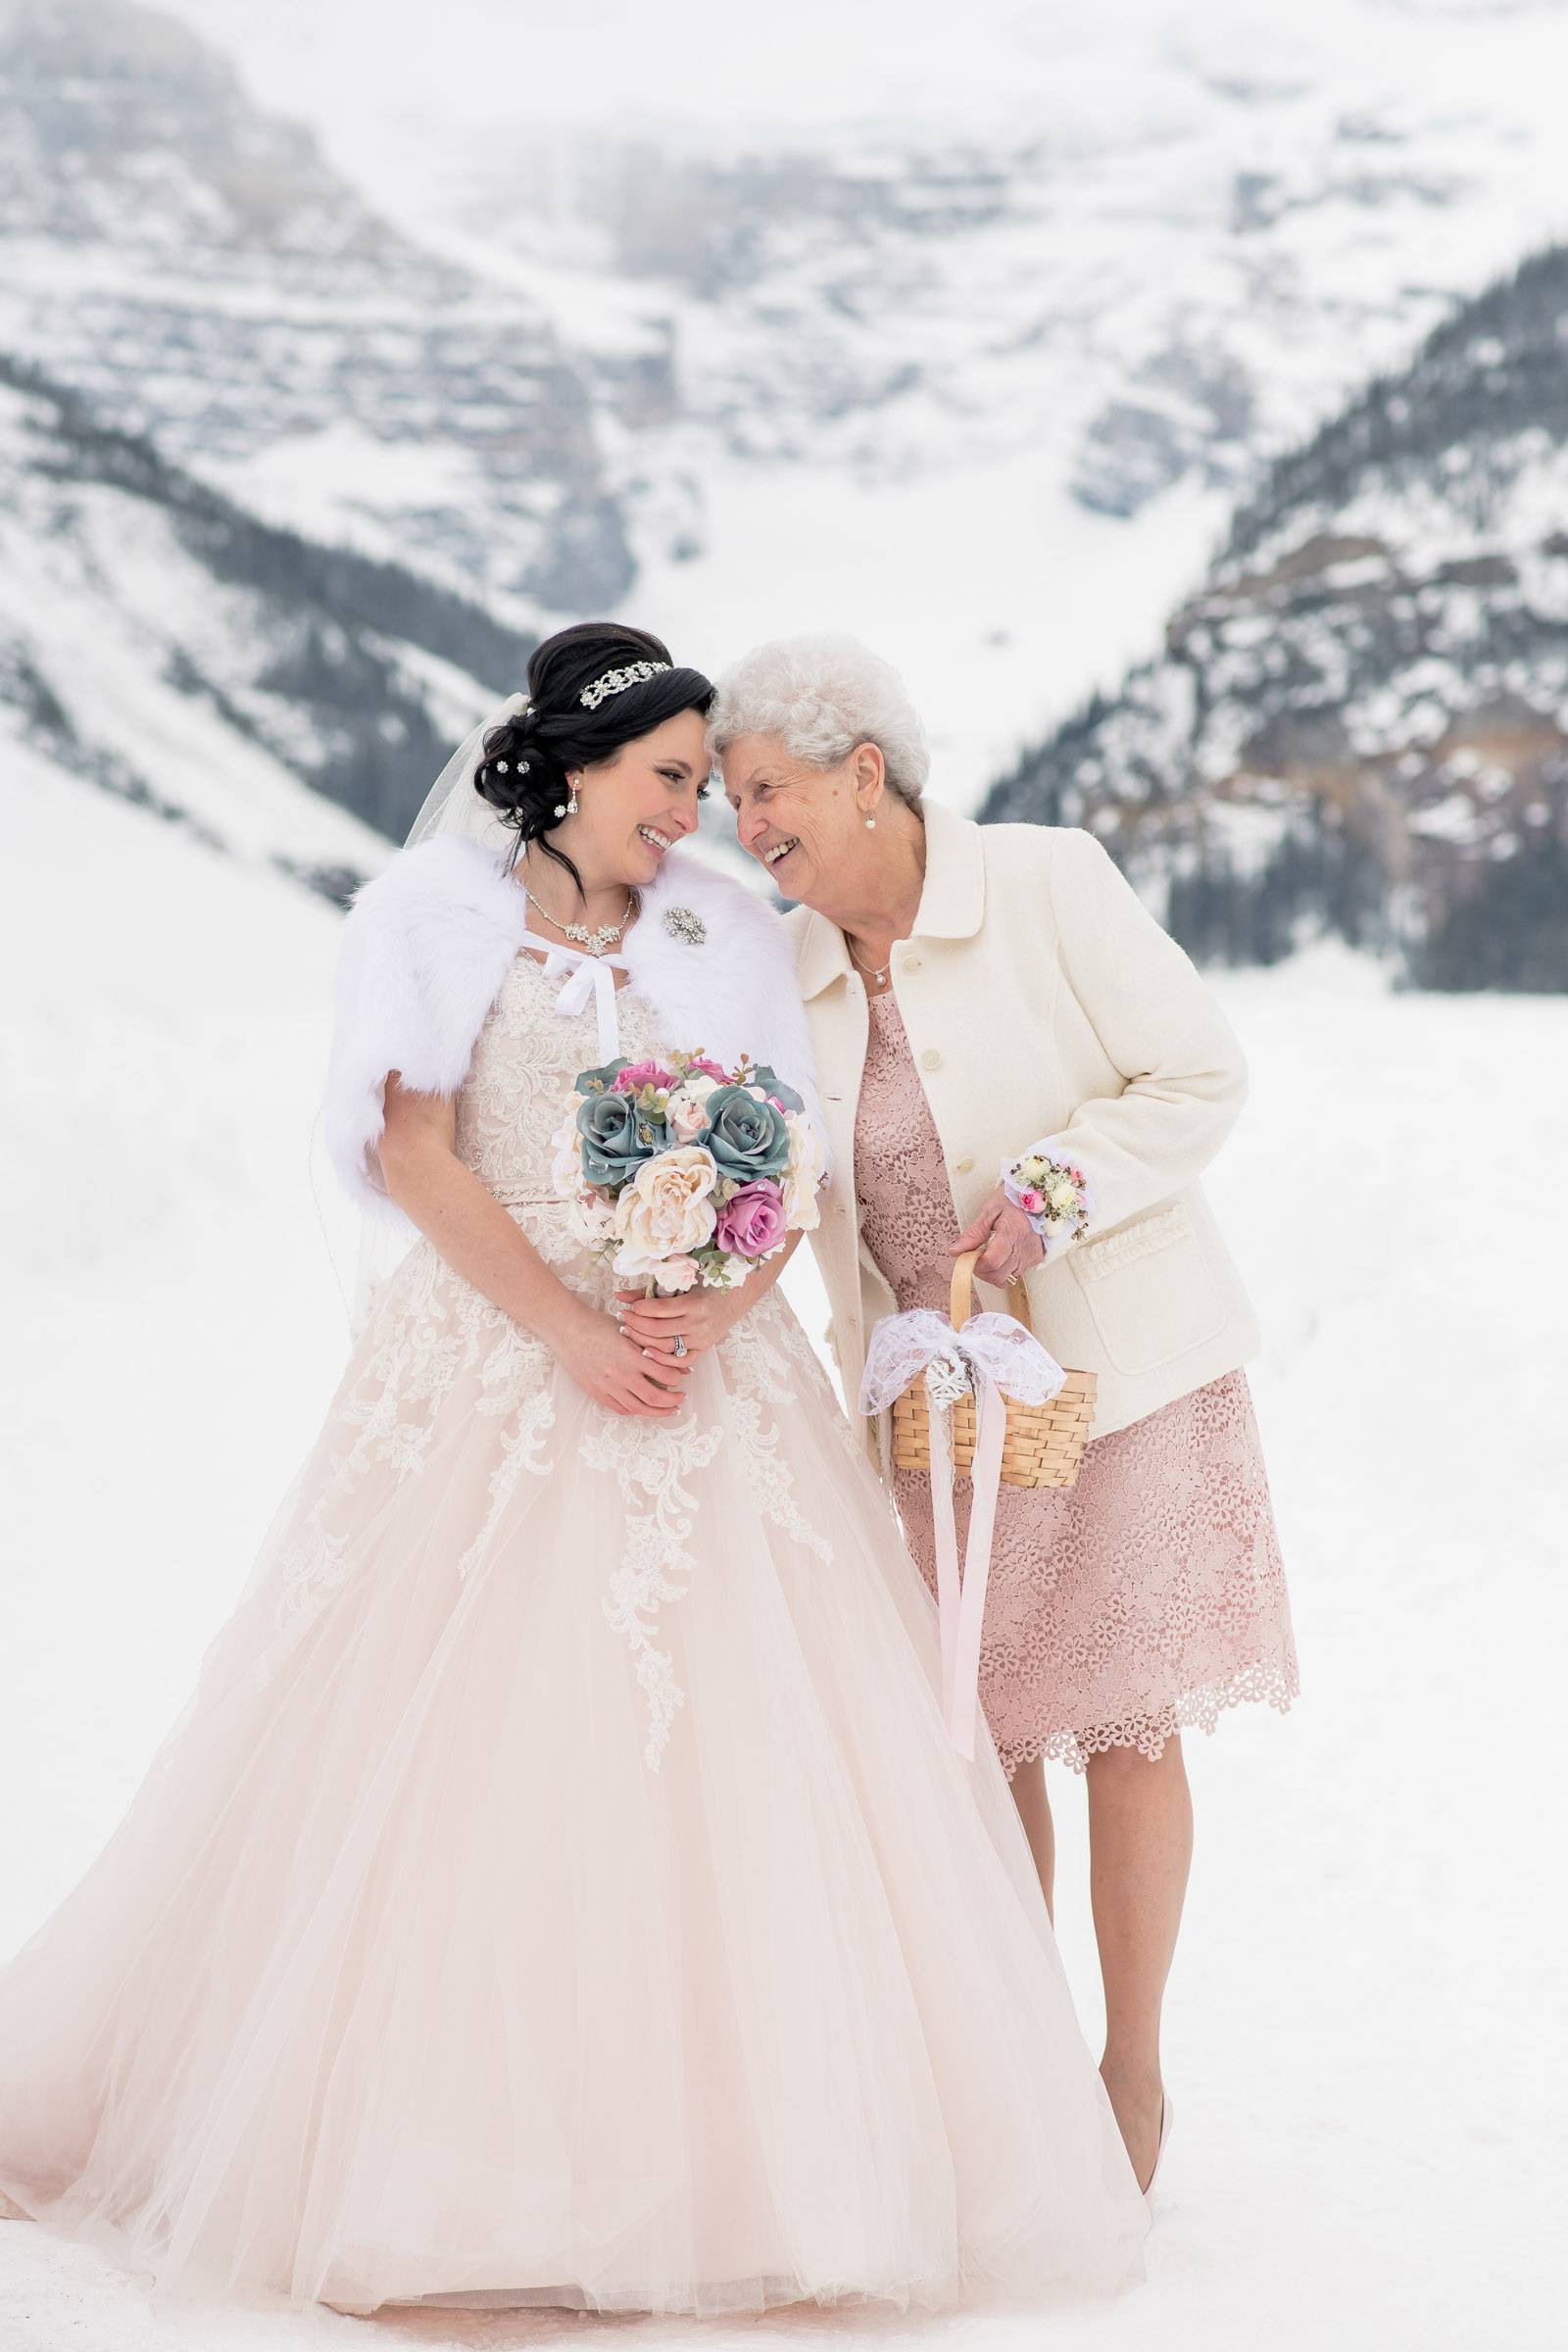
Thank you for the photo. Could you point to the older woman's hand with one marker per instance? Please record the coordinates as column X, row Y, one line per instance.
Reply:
column 1008, row 1242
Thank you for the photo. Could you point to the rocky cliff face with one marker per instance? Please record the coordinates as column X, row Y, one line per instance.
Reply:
column 1361, row 721
column 286, row 701
column 195, row 266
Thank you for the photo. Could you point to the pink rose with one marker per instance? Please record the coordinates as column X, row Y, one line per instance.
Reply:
column 752, row 1221
column 1030, row 1202
column 710, row 1069
column 676, row 1273
column 641, row 1073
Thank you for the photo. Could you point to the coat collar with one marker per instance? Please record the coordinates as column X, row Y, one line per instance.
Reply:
column 952, row 900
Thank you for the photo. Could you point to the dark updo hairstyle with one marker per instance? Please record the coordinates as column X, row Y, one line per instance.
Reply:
column 526, row 760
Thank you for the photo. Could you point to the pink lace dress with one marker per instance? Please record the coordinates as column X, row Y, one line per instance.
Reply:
column 1146, row 1597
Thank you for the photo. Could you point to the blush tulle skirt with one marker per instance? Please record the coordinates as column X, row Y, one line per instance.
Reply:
column 560, row 1888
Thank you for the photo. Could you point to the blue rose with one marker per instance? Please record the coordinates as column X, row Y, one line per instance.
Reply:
column 770, row 1082
column 748, row 1139
column 617, row 1137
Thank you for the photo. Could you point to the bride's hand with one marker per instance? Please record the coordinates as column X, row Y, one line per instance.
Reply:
column 701, row 1317
column 617, row 1374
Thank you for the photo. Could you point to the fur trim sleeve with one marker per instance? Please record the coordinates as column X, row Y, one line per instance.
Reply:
column 733, row 990
column 425, row 949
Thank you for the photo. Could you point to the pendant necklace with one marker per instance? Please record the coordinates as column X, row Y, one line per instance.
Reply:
column 880, row 977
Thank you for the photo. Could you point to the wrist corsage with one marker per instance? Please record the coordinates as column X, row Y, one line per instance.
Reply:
column 1054, row 1195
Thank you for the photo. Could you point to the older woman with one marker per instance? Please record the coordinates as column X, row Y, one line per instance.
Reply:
column 977, row 995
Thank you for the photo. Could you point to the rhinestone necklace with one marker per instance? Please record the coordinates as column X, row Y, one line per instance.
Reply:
column 597, row 943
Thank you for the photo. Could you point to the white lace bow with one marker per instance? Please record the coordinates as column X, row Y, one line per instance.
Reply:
column 989, row 1346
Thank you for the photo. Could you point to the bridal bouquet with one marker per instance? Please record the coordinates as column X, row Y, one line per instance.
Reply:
column 688, row 1173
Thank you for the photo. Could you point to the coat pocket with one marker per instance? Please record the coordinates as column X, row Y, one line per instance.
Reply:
column 1149, row 1290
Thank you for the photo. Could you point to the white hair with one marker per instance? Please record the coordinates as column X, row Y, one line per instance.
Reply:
column 822, row 696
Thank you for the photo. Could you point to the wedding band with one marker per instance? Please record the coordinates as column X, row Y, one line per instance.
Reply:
column 680, row 1342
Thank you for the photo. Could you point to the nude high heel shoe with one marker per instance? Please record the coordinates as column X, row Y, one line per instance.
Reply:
column 1167, row 2116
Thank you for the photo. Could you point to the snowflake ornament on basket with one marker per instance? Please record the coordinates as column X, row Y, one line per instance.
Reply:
column 947, row 1379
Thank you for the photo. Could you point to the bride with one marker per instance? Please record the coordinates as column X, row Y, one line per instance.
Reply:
column 560, row 1888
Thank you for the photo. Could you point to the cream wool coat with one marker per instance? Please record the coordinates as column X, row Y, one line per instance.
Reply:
column 1041, row 999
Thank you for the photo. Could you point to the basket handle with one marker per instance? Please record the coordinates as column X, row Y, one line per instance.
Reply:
column 960, row 1304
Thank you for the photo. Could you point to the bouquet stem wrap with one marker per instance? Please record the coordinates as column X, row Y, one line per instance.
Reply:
column 995, row 1357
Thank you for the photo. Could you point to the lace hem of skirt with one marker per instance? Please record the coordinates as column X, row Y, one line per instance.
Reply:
column 1274, row 1685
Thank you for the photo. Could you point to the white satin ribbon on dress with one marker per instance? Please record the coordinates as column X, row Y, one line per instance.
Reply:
column 587, row 976
column 991, row 1348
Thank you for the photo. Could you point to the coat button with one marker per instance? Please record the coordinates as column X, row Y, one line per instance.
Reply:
column 931, row 1060
column 911, row 963
column 964, row 1165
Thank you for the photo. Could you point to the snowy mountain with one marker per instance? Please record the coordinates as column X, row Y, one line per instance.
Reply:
column 982, row 372
column 972, row 354
column 195, row 266
column 288, row 702
column 1360, row 720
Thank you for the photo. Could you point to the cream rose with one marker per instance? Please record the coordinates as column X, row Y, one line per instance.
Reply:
column 726, row 1273
column 666, row 1210
column 686, row 1114
column 803, row 1177
column 593, row 1219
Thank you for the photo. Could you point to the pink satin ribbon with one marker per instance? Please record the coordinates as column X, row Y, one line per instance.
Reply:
column 961, row 1608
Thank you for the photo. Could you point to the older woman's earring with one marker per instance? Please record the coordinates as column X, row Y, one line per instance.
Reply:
column 871, row 824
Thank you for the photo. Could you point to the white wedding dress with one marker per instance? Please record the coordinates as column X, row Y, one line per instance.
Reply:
column 560, row 1888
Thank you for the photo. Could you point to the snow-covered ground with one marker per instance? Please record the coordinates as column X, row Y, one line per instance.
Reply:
column 1364, row 2021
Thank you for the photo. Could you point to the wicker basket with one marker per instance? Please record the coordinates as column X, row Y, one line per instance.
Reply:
column 1044, row 1442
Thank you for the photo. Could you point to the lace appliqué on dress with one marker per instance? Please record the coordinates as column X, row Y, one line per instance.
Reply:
column 652, row 1461
column 757, row 1356
column 431, row 1331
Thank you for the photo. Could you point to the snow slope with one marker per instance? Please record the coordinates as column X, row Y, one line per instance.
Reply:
column 1364, row 2019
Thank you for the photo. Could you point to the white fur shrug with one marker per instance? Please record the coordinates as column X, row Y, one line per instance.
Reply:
column 428, row 943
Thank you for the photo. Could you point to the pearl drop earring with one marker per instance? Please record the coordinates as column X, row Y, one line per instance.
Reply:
column 871, row 824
